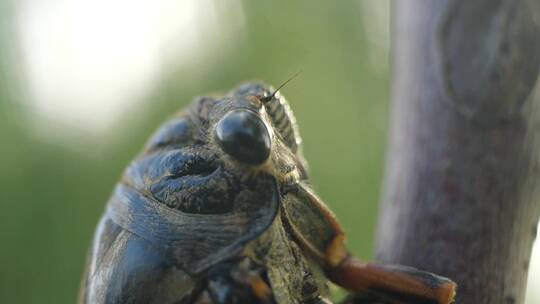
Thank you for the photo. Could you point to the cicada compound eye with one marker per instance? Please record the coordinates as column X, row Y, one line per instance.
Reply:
column 243, row 135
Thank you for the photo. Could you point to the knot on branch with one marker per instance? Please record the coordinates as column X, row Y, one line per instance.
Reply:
column 489, row 56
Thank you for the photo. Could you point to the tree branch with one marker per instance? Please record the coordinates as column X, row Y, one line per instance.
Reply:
column 461, row 187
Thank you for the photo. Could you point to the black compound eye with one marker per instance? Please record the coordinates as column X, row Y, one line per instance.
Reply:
column 243, row 135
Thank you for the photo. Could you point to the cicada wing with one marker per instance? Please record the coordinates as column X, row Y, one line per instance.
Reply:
column 145, row 252
column 104, row 237
column 196, row 241
column 125, row 268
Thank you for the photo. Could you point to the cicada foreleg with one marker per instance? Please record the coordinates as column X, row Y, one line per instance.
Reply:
column 396, row 283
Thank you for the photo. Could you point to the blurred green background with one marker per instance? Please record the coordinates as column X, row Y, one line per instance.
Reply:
column 84, row 83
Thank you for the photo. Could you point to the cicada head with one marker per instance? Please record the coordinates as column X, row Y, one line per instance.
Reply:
column 255, row 135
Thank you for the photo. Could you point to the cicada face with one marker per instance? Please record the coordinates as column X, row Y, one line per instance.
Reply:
column 252, row 138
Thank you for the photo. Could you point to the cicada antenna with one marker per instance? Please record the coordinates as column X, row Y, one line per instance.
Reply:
column 269, row 97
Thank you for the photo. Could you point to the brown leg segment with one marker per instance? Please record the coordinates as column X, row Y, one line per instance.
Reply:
column 400, row 283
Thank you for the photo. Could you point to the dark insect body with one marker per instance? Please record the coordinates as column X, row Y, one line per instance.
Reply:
column 218, row 209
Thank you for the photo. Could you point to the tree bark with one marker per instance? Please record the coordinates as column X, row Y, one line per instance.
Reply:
column 461, row 194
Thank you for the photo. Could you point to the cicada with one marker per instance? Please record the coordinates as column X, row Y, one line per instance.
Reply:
column 218, row 208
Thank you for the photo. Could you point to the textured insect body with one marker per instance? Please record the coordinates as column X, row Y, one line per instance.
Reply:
column 284, row 121
column 217, row 209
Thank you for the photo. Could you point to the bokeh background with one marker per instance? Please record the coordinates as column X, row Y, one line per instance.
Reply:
column 84, row 83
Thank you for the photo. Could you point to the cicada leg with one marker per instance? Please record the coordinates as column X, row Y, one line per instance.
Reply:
column 399, row 284
column 317, row 231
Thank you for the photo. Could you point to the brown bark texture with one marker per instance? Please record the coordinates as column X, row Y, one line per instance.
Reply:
column 461, row 194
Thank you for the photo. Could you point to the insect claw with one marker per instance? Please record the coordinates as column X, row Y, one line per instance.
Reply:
column 399, row 283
